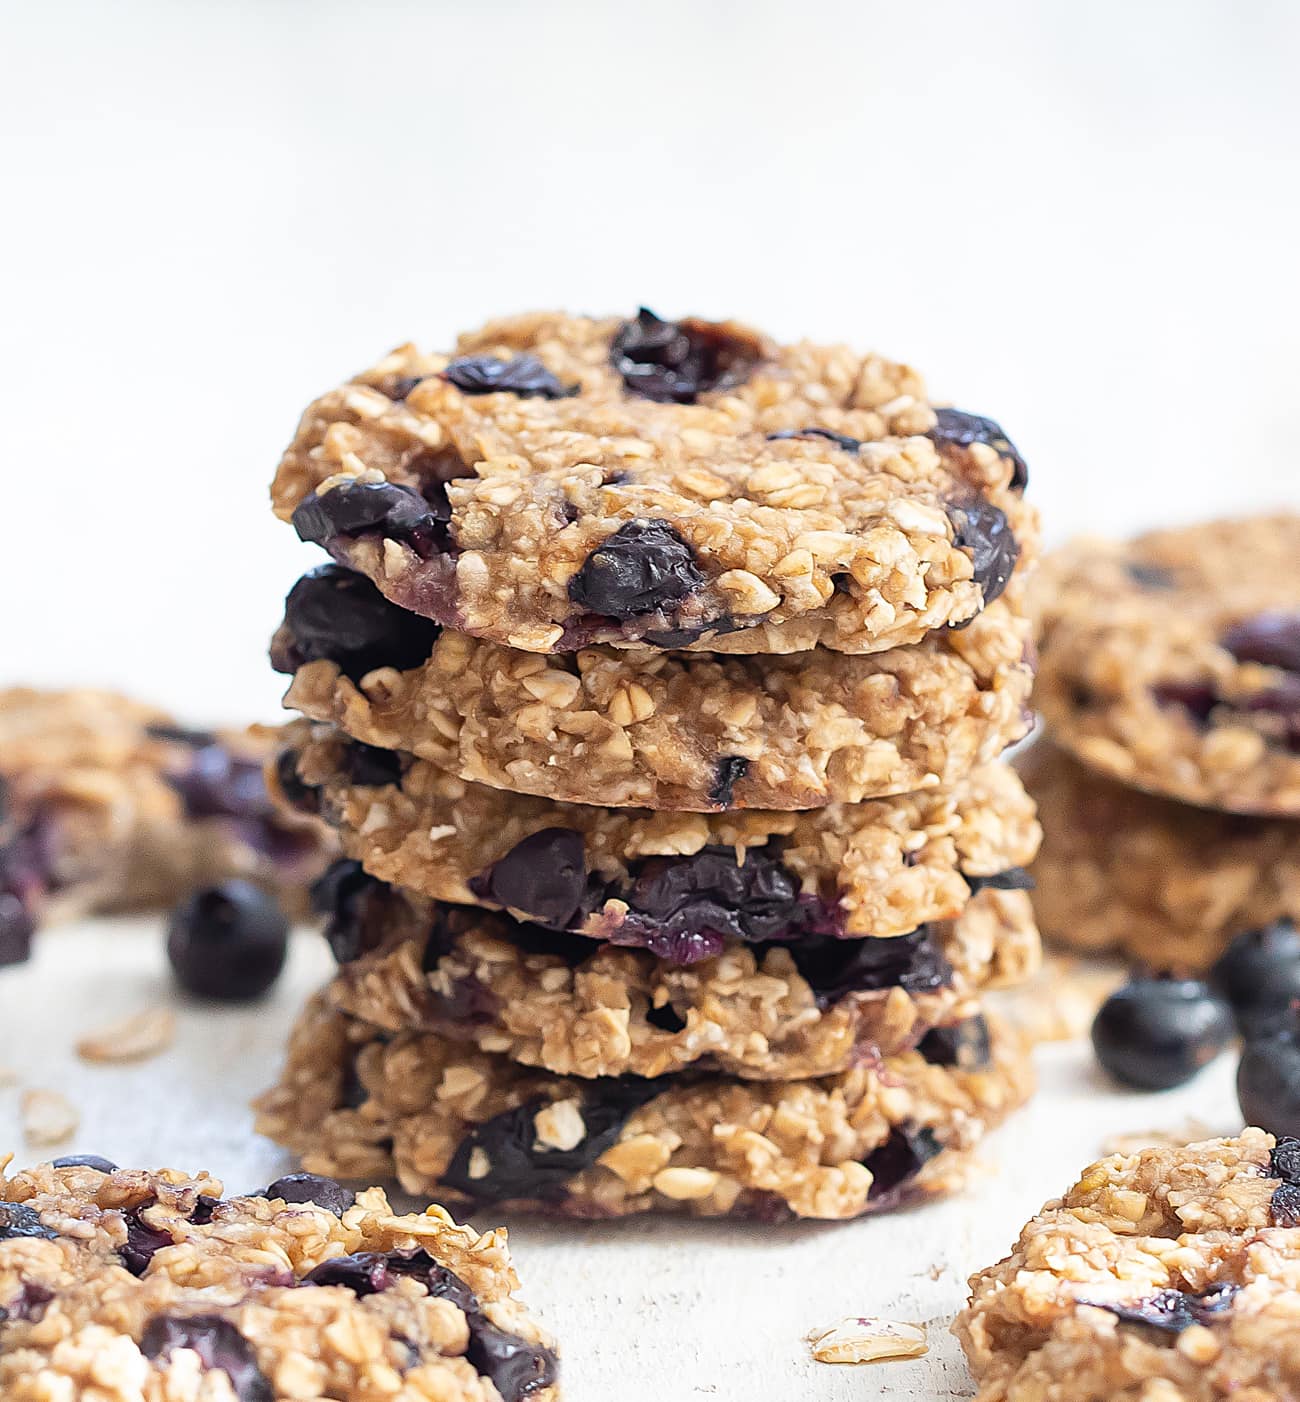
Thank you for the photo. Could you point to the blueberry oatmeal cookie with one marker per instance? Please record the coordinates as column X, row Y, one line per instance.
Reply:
column 1172, row 662
column 356, row 1101
column 1164, row 883
column 578, row 1008
column 125, row 1285
column 561, row 481
column 684, row 731
column 677, row 884
column 106, row 804
column 1171, row 1275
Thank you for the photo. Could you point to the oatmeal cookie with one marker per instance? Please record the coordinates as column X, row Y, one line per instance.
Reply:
column 106, row 804
column 1170, row 1275
column 134, row 1286
column 1172, row 662
column 560, row 481
column 675, row 883
column 684, row 731
column 578, row 1008
column 1166, row 884
column 356, row 1101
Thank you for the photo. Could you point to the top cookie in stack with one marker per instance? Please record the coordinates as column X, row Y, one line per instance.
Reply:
column 600, row 585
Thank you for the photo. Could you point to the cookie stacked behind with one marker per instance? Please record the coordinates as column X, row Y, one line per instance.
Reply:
column 1170, row 684
column 656, row 696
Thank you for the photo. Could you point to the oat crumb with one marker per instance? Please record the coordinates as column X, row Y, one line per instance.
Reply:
column 866, row 1339
column 133, row 1038
column 48, row 1117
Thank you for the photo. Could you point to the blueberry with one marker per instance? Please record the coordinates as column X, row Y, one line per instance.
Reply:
column 336, row 615
column 1198, row 699
column 666, row 1018
column 1155, row 1033
column 643, row 567
column 835, row 967
column 300, row 796
column 17, row 926
column 841, row 440
column 1271, row 639
column 965, row 1044
column 18, row 1219
column 524, row 375
column 312, row 1188
column 727, row 773
column 218, row 784
column 371, row 508
column 1268, row 1082
column 398, row 388
column 349, row 897
column 1280, row 708
column 954, row 426
column 675, row 361
column 219, row 1345
column 29, row 1303
column 142, row 1241
column 983, row 529
column 1172, row 1311
column 372, row 767
column 228, row 942
column 544, row 876
column 516, row 1368
column 100, row 1165
column 1284, row 1163
column 899, row 1159
column 1013, row 879
column 27, row 859
column 1259, row 974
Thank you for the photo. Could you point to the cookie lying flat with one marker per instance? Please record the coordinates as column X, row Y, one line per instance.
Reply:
column 657, row 730
column 105, row 804
column 674, row 883
column 575, row 1007
column 356, row 1101
column 1172, row 1275
column 1173, row 662
column 1166, row 884
column 150, row 1287
column 560, row 481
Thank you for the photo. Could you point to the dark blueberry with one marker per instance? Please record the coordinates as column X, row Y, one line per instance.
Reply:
column 352, row 1091
column 1151, row 576
column 983, row 529
column 683, row 637
column 300, row 796
column 100, row 1165
column 18, row 1219
column 228, row 942
column 965, row 1044
column 1172, row 1311
column 1268, row 1083
column 514, row 1366
column 666, row 1018
column 524, row 375
column 899, row 1159
column 142, row 1241
column 219, row 1345
column 1271, row 639
column 1259, row 974
column 842, row 440
column 519, row 1167
column 675, row 361
column 28, row 1305
column 1154, row 1033
column 398, row 389
column 218, row 784
column 372, row 767
column 352, row 901
column 17, row 926
column 834, row 967
column 336, row 615
column 537, row 939
column 364, row 1272
column 1198, row 699
column 203, row 1209
column 27, row 859
column 371, row 508
column 1013, row 879
column 1284, row 1161
column 727, row 772
column 544, row 876
column 1279, row 706
column 954, row 426
column 1284, row 1207
column 312, row 1188
column 643, row 567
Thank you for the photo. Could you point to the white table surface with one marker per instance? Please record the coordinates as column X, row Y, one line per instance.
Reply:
column 648, row 1310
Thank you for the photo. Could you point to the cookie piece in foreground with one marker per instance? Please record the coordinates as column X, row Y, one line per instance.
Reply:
column 1172, row 1273
column 359, row 1102
column 560, row 481
column 685, row 731
column 1172, row 662
column 677, row 884
column 132, row 1284
column 575, row 1007
column 1166, row 884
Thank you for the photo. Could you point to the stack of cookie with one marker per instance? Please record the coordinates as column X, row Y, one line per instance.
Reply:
column 656, row 696
column 1170, row 684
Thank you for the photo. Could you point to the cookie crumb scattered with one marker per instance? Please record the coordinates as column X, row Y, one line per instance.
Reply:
column 133, row 1038
column 866, row 1339
column 48, row 1117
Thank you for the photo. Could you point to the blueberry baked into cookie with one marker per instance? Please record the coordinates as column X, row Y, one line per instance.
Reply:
column 1172, row 1275
column 142, row 1286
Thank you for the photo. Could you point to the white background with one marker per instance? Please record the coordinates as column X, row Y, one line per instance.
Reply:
column 1079, row 218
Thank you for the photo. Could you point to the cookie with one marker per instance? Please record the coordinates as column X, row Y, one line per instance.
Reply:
column 1164, row 883
column 561, row 481
column 684, row 731
column 1172, row 662
column 129, row 1284
column 578, row 1008
column 677, row 884
column 1170, row 1275
column 106, row 804
column 356, row 1101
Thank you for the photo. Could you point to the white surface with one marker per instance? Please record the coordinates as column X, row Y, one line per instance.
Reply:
column 656, row 1310
column 1079, row 218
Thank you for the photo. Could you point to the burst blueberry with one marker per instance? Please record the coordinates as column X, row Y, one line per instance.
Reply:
column 643, row 567
column 676, row 361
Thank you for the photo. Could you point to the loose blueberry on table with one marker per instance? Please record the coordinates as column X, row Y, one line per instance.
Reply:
column 228, row 942
column 1156, row 1033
